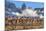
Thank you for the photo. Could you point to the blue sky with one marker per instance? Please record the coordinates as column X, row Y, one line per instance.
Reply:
column 28, row 4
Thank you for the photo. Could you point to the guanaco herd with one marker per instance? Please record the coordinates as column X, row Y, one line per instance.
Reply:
column 22, row 22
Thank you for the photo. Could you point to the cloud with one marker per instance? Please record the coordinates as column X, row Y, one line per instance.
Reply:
column 27, row 12
column 41, row 16
column 13, row 13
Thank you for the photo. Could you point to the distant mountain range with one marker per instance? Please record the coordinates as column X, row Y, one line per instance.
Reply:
column 10, row 7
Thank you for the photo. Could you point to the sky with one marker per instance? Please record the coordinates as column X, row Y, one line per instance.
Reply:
column 28, row 4
column 27, row 12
